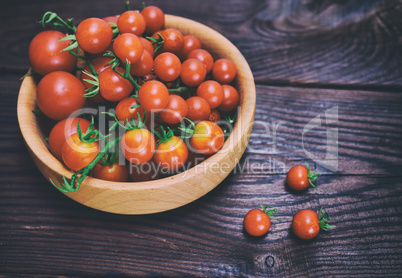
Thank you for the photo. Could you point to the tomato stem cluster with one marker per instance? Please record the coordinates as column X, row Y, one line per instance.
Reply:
column 158, row 41
column 79, row 176
column 312, row 176
column 323, row 219
column 271, row 212
column 56, row 21
column 187, row 129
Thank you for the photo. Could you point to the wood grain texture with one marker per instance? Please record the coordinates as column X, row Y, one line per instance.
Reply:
column 320, row 54
column 342, row 43
column 44, row 233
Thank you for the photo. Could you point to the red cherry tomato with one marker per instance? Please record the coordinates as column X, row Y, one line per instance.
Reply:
column 45, row 56
column 124, row 110
column 114, row 172
column 77, row 154
column 155, row 19
column 167, row 66
column 111, row 19
column 299, row 177
column 112, row 86
column 171, row 155
column 256, row 222
column 212, row 92
column 173, row 40
column 190, row 43
column 224, row 71
column 305, row 224
column 138, row 146
column 128, row 47
column 230, row 99
column 94, row 35
column 153, row 96
column 198, row 109
column 147, row 45
column 208, row 138
column 204, row 56
column 61, row 131
column 175, row 110
column 143, row 66
column 59, row 94
column 131, row 22
column 99, row 66
column 193, row 72
column 215, row 116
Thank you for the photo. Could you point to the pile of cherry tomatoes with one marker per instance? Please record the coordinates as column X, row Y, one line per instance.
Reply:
column 168, row 94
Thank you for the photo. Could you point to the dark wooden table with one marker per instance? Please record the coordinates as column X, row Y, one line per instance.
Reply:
column 309, row 58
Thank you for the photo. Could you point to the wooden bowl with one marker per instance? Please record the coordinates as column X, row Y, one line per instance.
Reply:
column 163, row 194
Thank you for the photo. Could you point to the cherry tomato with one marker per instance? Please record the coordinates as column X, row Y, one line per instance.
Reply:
column 230, row 99
column 190, row 43
column 305, row 224
column 224, row 71
column 131, row 22
column 153, row 96
column 45, row 56
column 171, row 155
column 59, row 94
column 155, row 19
column 193, row 72
column 138, row 145
column 212, row 92
column 114, row 172
column 299, row 177
column 77, row 154
column 94, row 35
column 61, row 131
column 175, row 110
column 143, row 66
column 173, row 40
column 198, row 109
column 99, row 66
column 111, row 19
column 147, row 45
column 256, row 222
column 208, row 138
column 204, row 56
column 124, row 110
column 141, row 80
column 128, row 47
column 112, row 86
column 215, row 116
column 167, row 66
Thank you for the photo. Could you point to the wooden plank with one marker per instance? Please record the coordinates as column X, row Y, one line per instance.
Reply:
column 205, row 237
column 342, row 43
column 42, row 232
